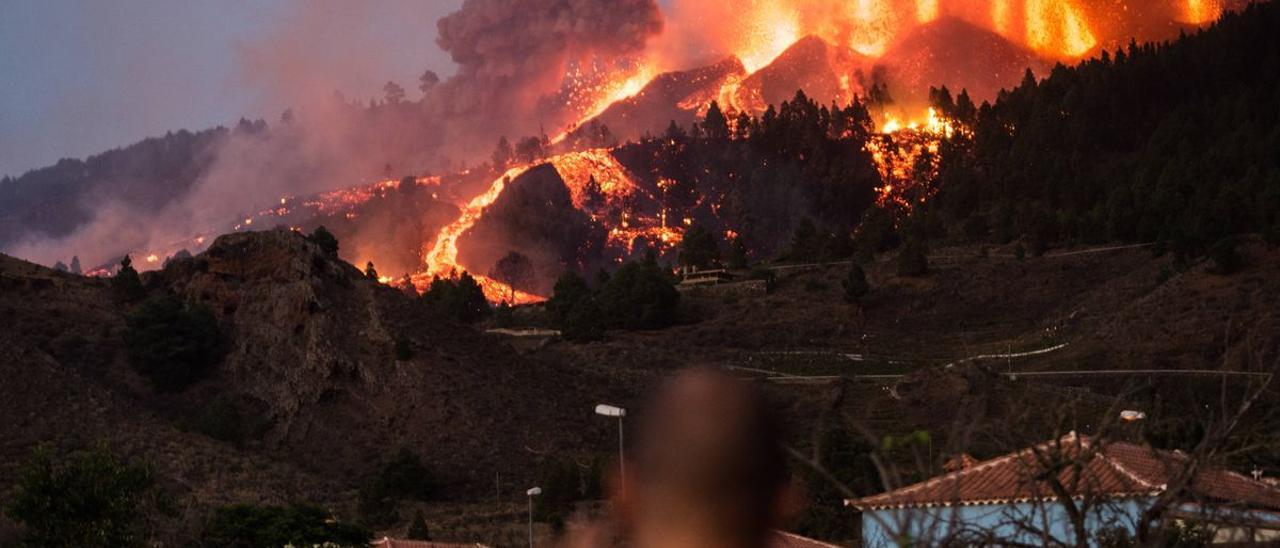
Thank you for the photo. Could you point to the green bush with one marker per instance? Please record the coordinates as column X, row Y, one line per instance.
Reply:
column 405, row 477
column 460, row 298
column 569, row 290
column 253, row 526
column 222, row 421
column 639, row 296
column 402, row 477
column 584, row 323
column 326, row 240
column 172, row 344
column 91, row 499
column 855, row 284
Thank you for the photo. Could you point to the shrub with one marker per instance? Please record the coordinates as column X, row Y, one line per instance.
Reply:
column 639, row 296
column 91, row 499
column 251, row 526
column 172, row 344
column 569, row 290
column 418, row 529
column 404, row 351
column 584, row 323
column 405, row 477
column 326, row 240
column 739, row 258
column 855, row 284
column 460, row 298
column 222, row 421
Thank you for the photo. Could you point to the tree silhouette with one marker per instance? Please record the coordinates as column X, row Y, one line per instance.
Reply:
column 698, row 248
column 515, row 270
column 502, row 155
column 393, row 93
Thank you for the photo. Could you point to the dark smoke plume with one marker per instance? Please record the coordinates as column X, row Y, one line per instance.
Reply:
column 512, row 53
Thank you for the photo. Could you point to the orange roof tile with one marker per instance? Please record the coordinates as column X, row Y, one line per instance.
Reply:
column 1083, row 468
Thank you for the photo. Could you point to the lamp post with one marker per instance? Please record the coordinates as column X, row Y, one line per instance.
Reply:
column 532, row 493
column 614, row 411
column 1130, row 415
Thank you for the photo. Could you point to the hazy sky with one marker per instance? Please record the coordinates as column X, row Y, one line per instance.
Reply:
column 78, row 77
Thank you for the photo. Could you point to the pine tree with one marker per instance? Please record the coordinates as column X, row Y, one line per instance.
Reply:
column 855, row 284
column 715, row 126
column 126, row 285
column 502, row 155
column 698, row 248
column 738, row 254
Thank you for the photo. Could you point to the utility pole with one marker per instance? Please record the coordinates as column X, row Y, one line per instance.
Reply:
column 614, row 411
column 532, row 493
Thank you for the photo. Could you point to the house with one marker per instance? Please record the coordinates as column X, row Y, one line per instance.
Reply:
column 695, row 277
column 1019, row 497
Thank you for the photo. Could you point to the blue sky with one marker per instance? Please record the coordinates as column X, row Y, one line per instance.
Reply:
column 83, row 76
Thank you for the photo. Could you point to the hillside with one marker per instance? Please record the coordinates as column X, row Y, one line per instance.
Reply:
column 311, row 365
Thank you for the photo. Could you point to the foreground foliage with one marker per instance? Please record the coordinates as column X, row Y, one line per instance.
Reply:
column 171, row 343
column 253, row 526
column 90, row 499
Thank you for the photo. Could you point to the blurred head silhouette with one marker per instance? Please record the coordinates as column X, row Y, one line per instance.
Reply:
column 708, row 470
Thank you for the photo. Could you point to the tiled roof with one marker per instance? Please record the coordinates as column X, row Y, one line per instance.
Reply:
column 1113, row 470
column 385, row 542
column 780, row 539
column 783, row 539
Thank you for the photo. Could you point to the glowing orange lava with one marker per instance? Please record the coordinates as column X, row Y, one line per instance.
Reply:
column 442, row 259
column 1199, row 12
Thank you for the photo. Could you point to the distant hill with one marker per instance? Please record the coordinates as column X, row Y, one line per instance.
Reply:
column 52, row 202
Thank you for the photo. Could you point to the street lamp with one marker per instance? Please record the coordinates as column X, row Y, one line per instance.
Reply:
column 614, row 411
column 1130, row 415
column 532, row 493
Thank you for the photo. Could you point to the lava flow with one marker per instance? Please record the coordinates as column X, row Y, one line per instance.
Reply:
column 442, row 259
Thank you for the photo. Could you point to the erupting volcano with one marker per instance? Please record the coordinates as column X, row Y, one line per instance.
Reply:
column 888, row 53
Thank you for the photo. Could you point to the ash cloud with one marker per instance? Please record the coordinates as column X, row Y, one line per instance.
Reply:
column 511, row 57
column 512, row 54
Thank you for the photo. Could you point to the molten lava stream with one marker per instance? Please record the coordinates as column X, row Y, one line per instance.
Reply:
column 442, row 260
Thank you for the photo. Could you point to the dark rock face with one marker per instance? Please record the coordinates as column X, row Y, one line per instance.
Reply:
column 310, row 365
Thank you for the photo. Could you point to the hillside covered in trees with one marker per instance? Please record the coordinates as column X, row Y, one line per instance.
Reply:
column 1174, row 142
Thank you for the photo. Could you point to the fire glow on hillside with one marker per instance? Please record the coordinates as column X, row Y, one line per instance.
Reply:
column 855, row 38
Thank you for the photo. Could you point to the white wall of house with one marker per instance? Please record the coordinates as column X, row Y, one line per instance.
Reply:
column 1011, row 521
